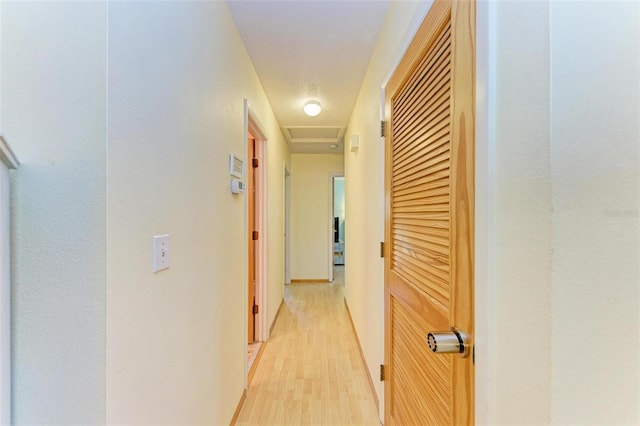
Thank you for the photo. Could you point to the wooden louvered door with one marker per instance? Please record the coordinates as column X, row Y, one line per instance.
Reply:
column 430, row 220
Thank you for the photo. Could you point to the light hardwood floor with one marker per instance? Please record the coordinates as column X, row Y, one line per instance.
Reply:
column 311, row 372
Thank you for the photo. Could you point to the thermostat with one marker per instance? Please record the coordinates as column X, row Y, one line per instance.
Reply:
column 237, row 187
column 236, row 166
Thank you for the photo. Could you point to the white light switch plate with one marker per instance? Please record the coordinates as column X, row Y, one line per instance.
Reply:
column 160, row 252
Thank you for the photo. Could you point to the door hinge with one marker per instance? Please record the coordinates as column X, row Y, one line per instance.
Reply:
column 383, row 133
column 382, row 372
column 254, row 163
column 256, row 309
column 381, row 248
column 473, row 356
column 254, row 235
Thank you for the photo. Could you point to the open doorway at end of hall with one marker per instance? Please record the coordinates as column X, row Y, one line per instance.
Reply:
column 338, row 234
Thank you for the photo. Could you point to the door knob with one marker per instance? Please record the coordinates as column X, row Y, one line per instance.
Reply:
column 449, row 342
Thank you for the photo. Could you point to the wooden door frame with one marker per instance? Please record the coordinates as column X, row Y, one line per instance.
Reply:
column 251, row 195
column 253, row 126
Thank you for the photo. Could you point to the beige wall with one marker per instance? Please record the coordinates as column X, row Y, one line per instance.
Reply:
column 54, row 90
column 176, row 339
column 123, row 115
column 278, row 157
column 311, row 217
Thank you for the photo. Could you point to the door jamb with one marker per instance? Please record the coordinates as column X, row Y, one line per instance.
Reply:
column 287, row 222
column 484, row 209
column 253, row 125
column 8, row 161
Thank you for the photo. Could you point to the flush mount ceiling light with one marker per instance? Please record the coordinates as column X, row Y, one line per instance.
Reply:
column 312, row 108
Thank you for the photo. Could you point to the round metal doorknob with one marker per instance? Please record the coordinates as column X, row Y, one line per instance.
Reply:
column 449, row 342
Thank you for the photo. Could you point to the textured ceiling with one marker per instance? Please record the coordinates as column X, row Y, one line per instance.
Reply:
column 310, row 50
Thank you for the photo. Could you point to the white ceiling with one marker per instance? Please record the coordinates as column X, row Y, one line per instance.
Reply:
column 310, row 50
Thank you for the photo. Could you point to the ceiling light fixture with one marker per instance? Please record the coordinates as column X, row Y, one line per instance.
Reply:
column 312, row 108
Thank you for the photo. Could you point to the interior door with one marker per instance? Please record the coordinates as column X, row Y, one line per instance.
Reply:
column 429, row 221
column 251, row 200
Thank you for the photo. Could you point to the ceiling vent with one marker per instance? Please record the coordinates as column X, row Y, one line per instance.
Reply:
column 314, row 139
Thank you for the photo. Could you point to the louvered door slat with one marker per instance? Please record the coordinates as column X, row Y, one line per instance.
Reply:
column 441, row 231
column 421, row 238
column 431, row 121
column 437, row 176
column 435, row 185
column 424, row 171
column 413, row 166
column 422, row 258
column 435, row 96
column 424, row 193
column 430, row 140
column 439, row 54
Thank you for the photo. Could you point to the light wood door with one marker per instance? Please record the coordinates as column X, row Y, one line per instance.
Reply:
column 252, row 237
column 430, row 220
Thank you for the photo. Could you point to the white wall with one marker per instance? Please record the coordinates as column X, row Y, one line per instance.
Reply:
column 559, row 173
column 176, row 340
column 311, row 214
column 5, row 294
column 123, row 115
column 515, row 300
column 595, row 170
column 54, row 114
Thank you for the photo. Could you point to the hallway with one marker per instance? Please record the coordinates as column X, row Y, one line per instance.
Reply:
column 311, row 372
column 129, row 124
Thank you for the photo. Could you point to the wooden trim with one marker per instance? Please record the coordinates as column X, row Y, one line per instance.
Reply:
column 462, row 206
column 254, row 366
column 364, row 361
column 309, row 281
column 252, row 243
column 273, row 323
column 234, row 419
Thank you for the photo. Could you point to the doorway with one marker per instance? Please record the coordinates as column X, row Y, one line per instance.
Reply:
column 253, row 236
column 255, row 173
column 287, row 225
column 337, row 246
